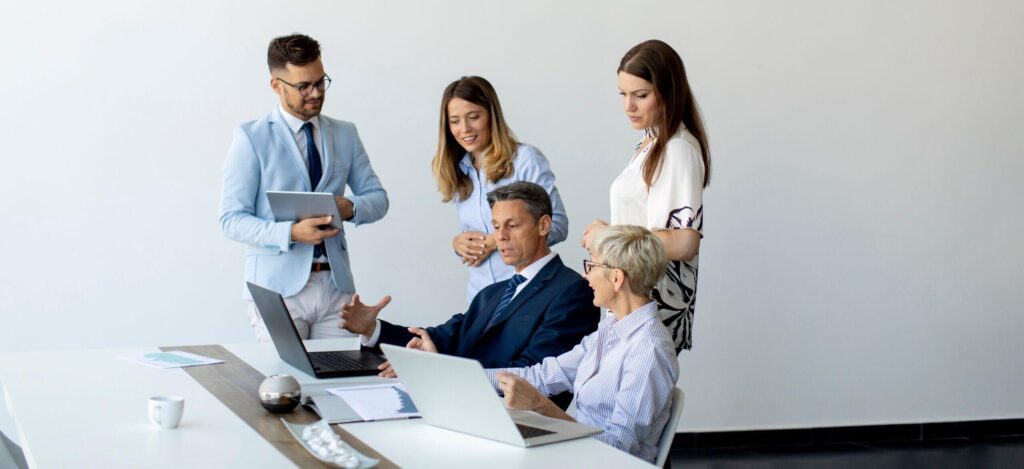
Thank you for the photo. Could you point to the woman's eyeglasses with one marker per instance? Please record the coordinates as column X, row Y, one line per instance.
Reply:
column 587, row 265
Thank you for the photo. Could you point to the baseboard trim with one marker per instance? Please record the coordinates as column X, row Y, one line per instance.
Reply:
column 865, row 433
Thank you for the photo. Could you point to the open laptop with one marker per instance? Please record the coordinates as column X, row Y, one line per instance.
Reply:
column 454, row 393
column 289, row 345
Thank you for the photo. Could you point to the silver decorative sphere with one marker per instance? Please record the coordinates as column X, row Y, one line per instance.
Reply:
column 280, row 394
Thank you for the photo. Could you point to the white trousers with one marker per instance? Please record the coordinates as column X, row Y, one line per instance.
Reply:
column 315, row 310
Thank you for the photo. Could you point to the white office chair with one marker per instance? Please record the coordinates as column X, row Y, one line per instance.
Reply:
column 10, row 455
column 665, row 443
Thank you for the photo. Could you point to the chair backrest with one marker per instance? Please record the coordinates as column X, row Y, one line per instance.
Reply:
column 665, row 443
column 10, row 455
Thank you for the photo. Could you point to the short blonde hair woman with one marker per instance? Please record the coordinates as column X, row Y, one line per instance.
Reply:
column 476, row 153
column 626, row 389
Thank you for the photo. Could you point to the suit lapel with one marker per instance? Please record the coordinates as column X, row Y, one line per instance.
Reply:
column 284, row 134
column 535, row 285
column 476, row 329
column 479, row 328
column 532, row 288
column 327, row 145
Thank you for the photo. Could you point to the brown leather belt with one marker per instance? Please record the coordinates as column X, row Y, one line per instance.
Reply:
column 320, row 266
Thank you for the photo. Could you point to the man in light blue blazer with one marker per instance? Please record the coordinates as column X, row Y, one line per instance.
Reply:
column 294, row 148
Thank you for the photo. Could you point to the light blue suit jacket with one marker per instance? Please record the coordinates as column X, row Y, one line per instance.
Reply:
column 263, row 157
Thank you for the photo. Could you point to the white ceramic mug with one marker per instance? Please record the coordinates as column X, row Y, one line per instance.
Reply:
column 165, row 411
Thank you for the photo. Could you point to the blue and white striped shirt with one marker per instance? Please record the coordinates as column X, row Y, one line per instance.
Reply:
column 622, row 374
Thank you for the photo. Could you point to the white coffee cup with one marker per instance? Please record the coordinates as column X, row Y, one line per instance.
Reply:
column 165, row 411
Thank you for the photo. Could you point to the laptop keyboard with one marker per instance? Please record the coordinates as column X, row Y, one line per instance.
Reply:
column 530, row 432
column 335, row 361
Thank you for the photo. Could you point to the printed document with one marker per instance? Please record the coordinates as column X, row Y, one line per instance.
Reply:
column 378, row 401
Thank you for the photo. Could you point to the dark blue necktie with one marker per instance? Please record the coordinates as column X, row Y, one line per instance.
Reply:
column 312, row 157
column 315, row 172
column 510, row 291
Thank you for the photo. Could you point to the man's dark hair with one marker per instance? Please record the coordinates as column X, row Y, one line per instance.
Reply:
column 297, row 49
column 537, row 201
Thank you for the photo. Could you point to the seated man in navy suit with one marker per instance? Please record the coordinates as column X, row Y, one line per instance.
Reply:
column 544, row 310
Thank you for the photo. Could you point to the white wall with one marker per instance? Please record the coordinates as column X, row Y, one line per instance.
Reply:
column 863, row 229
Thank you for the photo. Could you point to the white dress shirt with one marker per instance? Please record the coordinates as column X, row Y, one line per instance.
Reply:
column 529, row 272
column 622, row 374
column 295, row 124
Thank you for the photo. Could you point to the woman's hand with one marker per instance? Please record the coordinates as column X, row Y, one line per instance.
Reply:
column 473, row 246
column 519, row 394
column 592, row 230
column 490, row 245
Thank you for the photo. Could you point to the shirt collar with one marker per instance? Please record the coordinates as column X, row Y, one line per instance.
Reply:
column 652, row 132
column 532, row 270
column 640, row 316
column 295, row 123
column 466, row 164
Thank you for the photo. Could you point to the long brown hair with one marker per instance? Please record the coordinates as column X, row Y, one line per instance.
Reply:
column 452, row 183
column 656, row 62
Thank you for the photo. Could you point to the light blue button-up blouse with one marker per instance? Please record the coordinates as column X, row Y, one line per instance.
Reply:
column 475, row 214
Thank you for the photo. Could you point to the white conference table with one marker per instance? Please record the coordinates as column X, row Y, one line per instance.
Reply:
column 88, row 409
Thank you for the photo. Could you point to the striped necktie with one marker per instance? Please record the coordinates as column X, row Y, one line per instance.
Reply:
column 510, row 291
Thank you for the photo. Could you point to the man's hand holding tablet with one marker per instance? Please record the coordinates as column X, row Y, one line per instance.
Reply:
column 314, row 230
column 316, row 214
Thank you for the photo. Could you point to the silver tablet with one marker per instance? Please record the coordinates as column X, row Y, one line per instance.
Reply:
column 297, row 206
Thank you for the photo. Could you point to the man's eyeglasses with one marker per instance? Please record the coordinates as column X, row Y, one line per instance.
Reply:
column 306, row 89
column 587, row 265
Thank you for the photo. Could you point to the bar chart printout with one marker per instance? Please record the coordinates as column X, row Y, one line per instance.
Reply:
column 378, row 401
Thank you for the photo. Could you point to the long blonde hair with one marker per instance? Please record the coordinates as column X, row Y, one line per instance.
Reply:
column 452, row 183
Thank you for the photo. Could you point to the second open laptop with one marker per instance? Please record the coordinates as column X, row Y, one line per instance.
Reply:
column 289, row 345
column 454, row 393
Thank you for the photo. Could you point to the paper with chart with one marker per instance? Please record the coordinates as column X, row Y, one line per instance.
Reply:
column 176, row 359
column 378, row 401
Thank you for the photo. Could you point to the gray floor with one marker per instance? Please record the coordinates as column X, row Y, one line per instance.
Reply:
column 975, row 454
column 995, row 453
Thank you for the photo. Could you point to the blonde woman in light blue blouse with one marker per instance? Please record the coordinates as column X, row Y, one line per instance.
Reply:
column 477, row 152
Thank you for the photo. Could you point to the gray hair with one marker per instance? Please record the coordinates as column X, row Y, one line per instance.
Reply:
column 636, row 251
column 537, row 201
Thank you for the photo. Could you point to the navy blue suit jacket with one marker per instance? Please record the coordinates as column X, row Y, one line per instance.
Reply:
column 549, row 317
